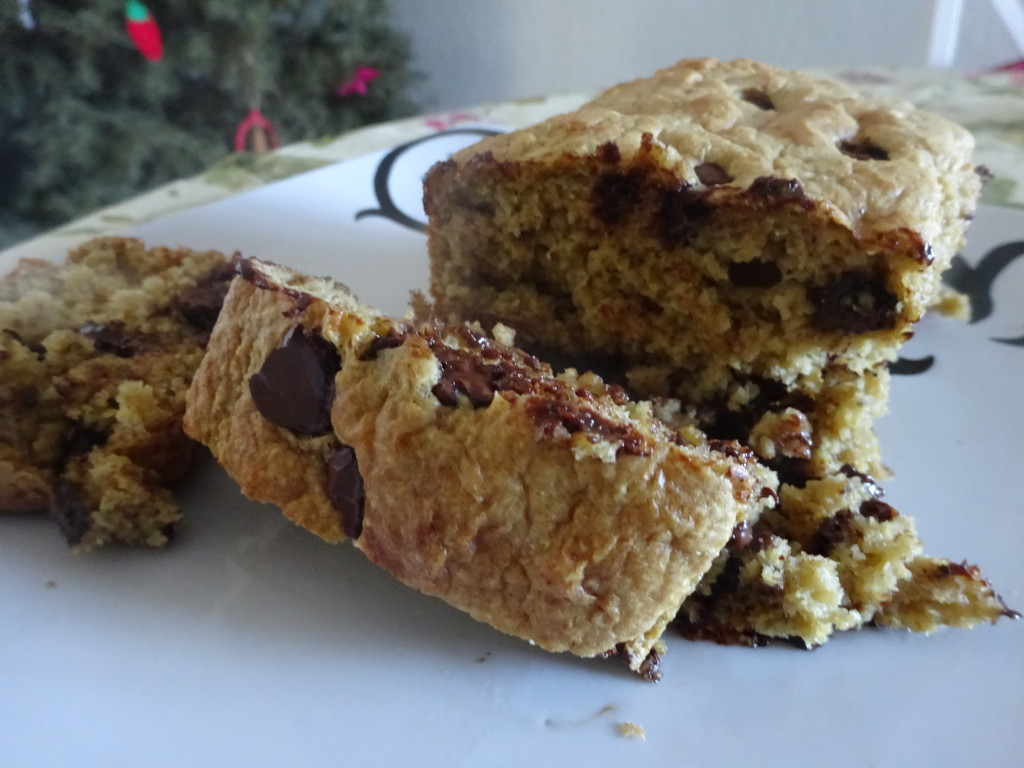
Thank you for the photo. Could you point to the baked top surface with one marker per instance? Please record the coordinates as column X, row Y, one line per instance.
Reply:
column 876, row 163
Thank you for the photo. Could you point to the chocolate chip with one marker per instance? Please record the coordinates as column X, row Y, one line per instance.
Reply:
column 345, row 489
column 857, row 301
column 732, row 448
column 831, row 532
column 295, row 387
column 391, row 339
column 776, row 191
column 758, row 98
column 870, row 484
column 650, row 667
column 712, row 174
column 609, row 152
column 742, row 535
column 681, row 212
column 111, row 338
column 38, row 349
column 877, row 509
column 865, row 149
column 755, row 273
column 199, row 305
column 82, row 438
column 69, row 508
column 616, row 194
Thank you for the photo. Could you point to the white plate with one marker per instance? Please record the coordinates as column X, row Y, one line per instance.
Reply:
column 251, row 643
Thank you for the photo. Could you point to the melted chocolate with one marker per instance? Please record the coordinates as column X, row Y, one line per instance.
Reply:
column 878, row 509
column 857, row 301
column 681, row 212
column 549, row 415
column 199, row 305
column 616, row 195
column 755, row 273
column 111, row 338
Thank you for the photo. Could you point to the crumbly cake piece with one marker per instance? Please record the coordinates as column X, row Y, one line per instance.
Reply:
column 96, row 355
column 551, row 507
column 741, row 237
column 832, row 556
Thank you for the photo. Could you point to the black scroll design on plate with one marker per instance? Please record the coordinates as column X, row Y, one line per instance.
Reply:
column 976, row 284
column 388, row 209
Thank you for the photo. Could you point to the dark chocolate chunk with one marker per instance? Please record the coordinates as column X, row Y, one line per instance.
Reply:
column 712, row 174
column 616, row 194
column 869, row 482
column 199, row 305
column 111, row 338
column 865, row 149
column 742, row 535
column 758, row 98
column 857, row 301
column 680, row 214
column 650, row 667
column 295, row 387
column 831, row 532
column 69, row 508
column 82, row 438
column 609, row 152
column 877, row 509
column 755, row 273
column 345, row 489
column 778, row 191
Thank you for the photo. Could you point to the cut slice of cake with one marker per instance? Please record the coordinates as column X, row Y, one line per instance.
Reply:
column 551, row 507
column 96, row 355
column 743, row 238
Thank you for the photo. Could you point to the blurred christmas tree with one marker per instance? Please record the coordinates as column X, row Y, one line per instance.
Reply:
column 102, row 99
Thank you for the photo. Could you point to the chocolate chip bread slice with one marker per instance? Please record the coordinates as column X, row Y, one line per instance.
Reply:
column 551, row 507
column 96, row 355
column 743, row 238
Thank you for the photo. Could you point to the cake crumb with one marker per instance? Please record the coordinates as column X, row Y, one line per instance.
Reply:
column 628, row 730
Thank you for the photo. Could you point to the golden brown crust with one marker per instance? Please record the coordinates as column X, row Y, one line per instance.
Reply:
column 578, row 540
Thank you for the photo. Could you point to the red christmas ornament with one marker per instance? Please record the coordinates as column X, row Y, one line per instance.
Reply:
column 357, row 84
column 264, row 136
column 143, row 31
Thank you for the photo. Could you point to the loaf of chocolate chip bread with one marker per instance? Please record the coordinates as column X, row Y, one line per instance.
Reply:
column 743, row 238
column 96, row 355
column 551, row 507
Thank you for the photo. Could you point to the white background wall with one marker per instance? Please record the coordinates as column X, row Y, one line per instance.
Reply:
column 478, row 51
